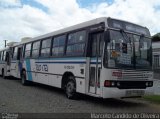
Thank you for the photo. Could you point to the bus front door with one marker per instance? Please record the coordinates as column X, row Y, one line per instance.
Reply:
column 17, row 63
column 96, row 40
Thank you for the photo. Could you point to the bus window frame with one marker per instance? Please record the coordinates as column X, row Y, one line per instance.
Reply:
column 1, row 56
column 15, row 57
column 27, row 50
column 35, row 49
column 85, row 53
column 40, row 49
column 64, row 46
column 83, row 42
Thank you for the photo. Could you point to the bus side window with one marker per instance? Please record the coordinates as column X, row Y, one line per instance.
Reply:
column 7, row 58
column 76, row 43
column 19, row 53
column 12, row 52
column 97, row 44
column 4, row 56
column 27, row 50
column 15, row 53
column 58, row 45
column 1, row 57
column 45, row 48
column 35, row 49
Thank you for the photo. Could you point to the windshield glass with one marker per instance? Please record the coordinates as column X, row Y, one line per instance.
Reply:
column 143, row 56
column 128, row 51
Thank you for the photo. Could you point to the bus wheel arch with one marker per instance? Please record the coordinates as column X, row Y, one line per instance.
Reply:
column 65, row 79
column 69, row 85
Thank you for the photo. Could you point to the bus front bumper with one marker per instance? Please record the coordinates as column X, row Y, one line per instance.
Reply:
column 122, row 93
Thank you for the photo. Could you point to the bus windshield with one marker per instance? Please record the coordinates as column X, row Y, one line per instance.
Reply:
column 128, row 51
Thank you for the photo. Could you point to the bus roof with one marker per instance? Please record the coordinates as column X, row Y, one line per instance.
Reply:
column 64, row 30
column 74, row 27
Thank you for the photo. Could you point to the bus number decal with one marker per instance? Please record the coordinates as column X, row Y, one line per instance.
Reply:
column 43, row 67
column 69, row 67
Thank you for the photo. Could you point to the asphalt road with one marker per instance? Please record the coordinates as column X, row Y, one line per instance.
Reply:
column 36, row 98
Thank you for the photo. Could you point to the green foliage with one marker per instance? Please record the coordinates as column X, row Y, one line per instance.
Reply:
column 156, row 37
column 153, row 98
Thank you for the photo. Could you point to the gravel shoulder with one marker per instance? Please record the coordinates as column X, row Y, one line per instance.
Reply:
column 36, row 98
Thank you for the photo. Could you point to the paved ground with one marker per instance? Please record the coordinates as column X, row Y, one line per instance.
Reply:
column 38, row 98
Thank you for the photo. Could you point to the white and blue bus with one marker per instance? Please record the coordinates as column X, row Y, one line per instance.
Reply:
column 5, row 62
column 104, row 57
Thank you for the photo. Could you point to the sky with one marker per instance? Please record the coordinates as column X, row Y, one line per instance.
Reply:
column 31, row 18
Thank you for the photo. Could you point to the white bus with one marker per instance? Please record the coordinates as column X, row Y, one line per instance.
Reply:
column 5, row 59
column 104, row 57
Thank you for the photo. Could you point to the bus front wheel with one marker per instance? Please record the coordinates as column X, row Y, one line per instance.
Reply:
column 70, row 88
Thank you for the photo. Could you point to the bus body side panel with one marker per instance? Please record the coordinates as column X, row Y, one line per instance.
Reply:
column 42, row 71
column 27, row 66
column 14, row 69
column 8, row 70
column 50, row 71
column 57, row 67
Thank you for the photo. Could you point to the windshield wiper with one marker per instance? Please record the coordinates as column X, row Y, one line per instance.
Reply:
column 126, row 38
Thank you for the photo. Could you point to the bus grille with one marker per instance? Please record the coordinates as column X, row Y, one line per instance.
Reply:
column 136, row 75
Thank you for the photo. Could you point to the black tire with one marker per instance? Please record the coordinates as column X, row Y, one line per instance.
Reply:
column 3, row 75
column 23, row 79
column 70, row 88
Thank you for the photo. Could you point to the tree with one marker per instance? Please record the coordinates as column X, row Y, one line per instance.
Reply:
column 156, row 37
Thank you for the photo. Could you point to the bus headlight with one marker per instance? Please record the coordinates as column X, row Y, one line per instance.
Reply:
column 113, row 83
column 147, row 84
column 150, row 84
column 118, row 84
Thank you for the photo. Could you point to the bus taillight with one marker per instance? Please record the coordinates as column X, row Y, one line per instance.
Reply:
column 109, row 83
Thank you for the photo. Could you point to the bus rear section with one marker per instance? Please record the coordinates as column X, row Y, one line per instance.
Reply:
column 5, row 58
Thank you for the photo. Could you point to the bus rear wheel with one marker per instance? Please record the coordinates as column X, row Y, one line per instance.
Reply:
column 3, row 75
column 23, row 78
column 70, row 88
